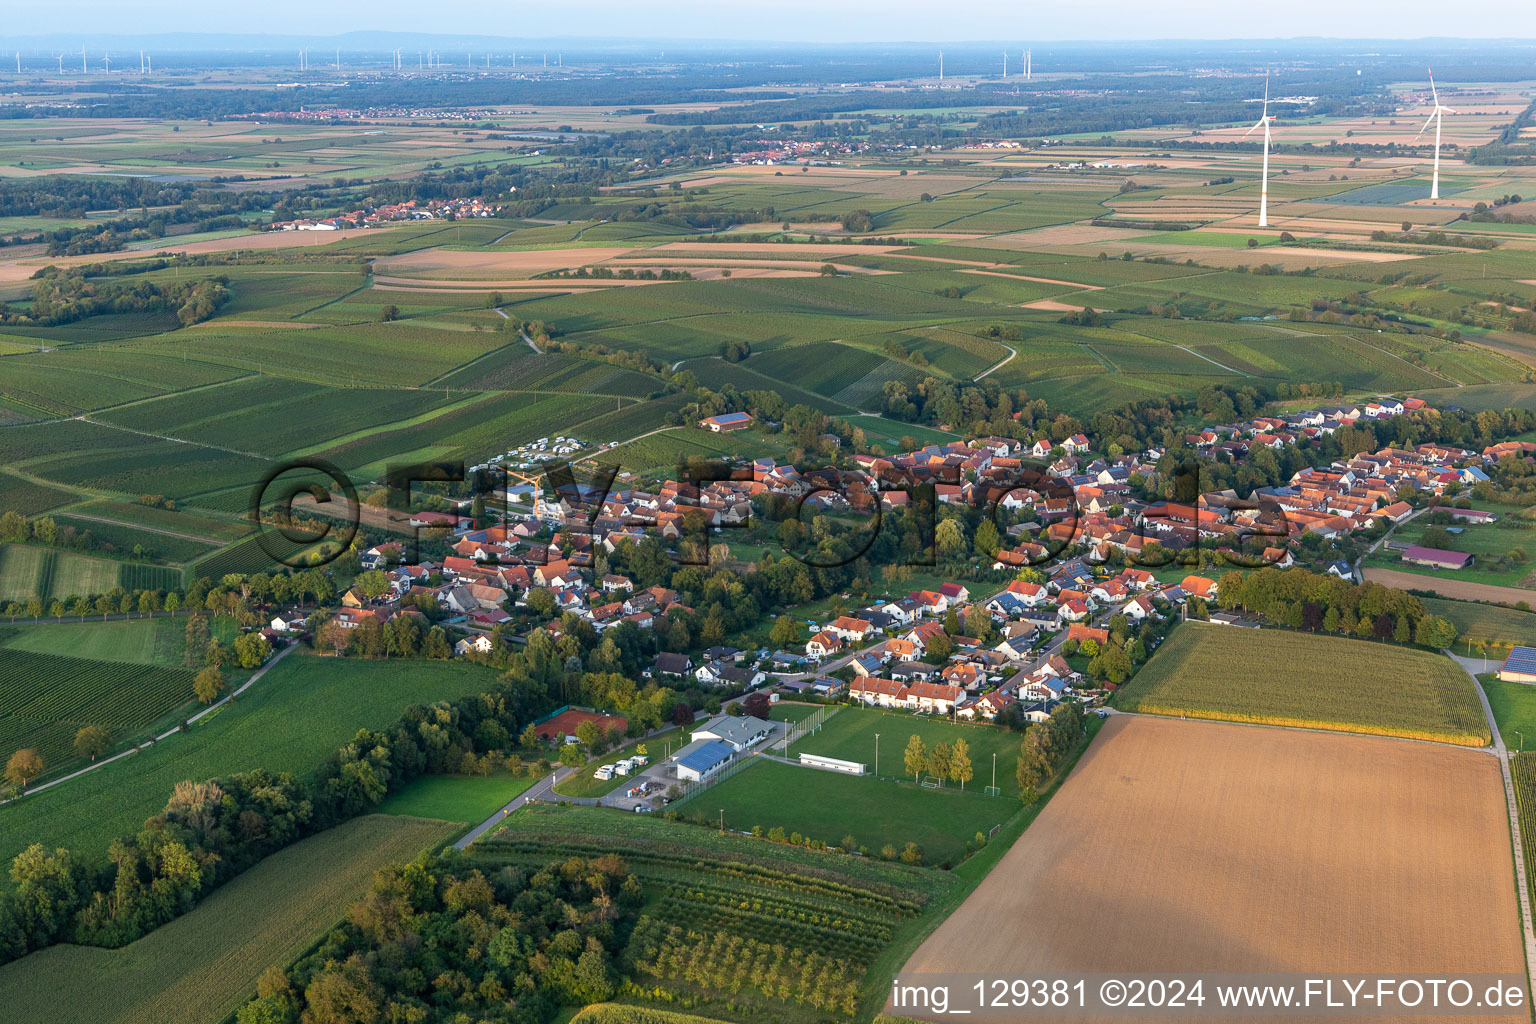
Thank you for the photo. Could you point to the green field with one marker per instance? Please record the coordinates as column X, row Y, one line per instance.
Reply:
column 1229, row 673
column 302, row 709
column 468, row 799
column 203, row 965
column 828, row 806
column 154, row 640
column 1514, row 708
column 849, row 734
column 1487, row 624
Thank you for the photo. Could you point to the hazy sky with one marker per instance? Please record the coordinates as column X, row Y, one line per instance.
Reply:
column 824, row 20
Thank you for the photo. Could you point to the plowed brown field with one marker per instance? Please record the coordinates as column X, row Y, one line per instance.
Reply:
column 1206, row 847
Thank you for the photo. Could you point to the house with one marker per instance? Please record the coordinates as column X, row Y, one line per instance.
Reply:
column 288, row 622
column 480, row 643
column 956, row 593
column 701, row 759
column 823, row 645
column 1467, row 515
column 737, row 733
column 846, row 627
column 874, row 690
column 936, row 698
column 1435, row 558
column 992, row 704
column 1198, row 586
column 1520, row 666
column 1072, row 611
column 1079, row 632
column 726, row 422
column 676, row 665
column 730, row 654
column 1342, row 569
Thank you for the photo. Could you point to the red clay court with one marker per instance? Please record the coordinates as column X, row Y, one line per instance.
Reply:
column 565, row 723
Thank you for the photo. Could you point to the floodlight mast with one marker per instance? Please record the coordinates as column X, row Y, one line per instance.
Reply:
column 1263, row 122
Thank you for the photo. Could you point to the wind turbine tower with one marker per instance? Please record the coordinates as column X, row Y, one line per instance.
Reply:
column 61, row 63
column 1263, row 122
column 83, row 69
column 141, row 62
column 1434, row 187
column 1005, row 63
column 941, row 69
column 106, row 61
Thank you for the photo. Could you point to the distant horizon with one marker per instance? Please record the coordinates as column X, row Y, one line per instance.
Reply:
column 835, row 22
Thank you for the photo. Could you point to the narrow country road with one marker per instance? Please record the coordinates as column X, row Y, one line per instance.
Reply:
column 1011, row 353
column 544, row 789
column 1528, row 933
column 165, row 735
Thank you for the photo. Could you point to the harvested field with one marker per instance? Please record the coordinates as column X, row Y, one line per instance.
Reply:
column 1250, row 850
column 1328, row 682
column 1052, row 306
column 1460, row 590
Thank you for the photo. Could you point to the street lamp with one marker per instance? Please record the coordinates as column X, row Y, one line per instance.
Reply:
column 722, row 819
column 877, row 755
column 994, row 769
column 1522, row 741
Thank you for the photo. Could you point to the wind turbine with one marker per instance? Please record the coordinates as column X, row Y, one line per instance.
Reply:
column 1264, row 120
column 1434, row 115
column 106, row 61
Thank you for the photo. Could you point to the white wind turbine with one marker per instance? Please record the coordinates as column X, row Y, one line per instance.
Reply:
column 1434, row 115
column 1263, row 122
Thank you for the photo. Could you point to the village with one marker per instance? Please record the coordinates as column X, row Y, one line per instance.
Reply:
column 390, row 213
column 1081, row 556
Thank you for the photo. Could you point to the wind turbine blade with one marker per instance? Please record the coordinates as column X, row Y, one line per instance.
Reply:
column 1428, row 122
column 1432, row 90
column 1255, row 128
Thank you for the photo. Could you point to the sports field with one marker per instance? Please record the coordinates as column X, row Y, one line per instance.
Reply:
column 1277, row 677
column 829, row 805
column 203, row 965
column 849, row 734
column 1243, row 850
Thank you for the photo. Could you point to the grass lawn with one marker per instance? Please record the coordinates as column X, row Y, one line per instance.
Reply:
column 149, row 641
column 850, row 735
column 203, row 965
column 583, row 783
column 1277, row 677
column 1514, row 707
column 785, row 711
column 1487, row 541
column 469, row 799
column 828, row 806
column 301, row 710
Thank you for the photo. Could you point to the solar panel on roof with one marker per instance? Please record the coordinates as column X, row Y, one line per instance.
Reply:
column 1521, row 659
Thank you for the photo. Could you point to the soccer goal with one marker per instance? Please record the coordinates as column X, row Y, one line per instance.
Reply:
column 993, row 791
column 932, row 782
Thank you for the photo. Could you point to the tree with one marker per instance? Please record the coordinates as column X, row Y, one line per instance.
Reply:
column 389, row 313
column 757, row 705
column 916, row 756
column 23, row 766
column 939, row 762
column 251, row 649
column 529, row 737
column 209, row 684
column 785, row 633
column 570, row 756
column 682, row 714
column 587, row 733
column 92, row 741
column 986, row 541
column 960, row 769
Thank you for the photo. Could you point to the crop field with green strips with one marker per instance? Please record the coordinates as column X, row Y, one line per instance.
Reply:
column 28, row 571
column 124, row 539
column 284, row 904
column 178, row 520
column 716, row 373
column 951, row 352
column 278, row 293
column 395, row 354
column 103, row 328
column 45, row 699
column 30, row 498
column 633, row 419
column 515, row 367
column 273, row 415
column 823, row 367
column 305, row 707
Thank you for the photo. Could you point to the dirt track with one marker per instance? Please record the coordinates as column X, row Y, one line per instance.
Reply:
column 1461, row 590
column 1196, row 846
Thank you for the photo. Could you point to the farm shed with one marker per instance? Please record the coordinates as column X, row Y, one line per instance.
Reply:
column 1435, row 558
column 1520, row 666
